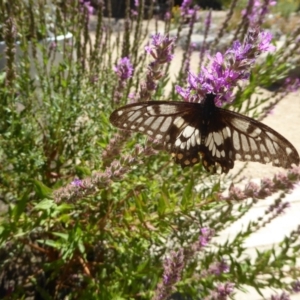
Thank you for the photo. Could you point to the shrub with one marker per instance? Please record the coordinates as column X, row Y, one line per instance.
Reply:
column 96, row 213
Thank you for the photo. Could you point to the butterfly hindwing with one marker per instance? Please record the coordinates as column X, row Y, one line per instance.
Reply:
column 194, row 132
column 255, row 141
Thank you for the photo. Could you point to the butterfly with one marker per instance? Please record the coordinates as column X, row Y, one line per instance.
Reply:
column 194, row 132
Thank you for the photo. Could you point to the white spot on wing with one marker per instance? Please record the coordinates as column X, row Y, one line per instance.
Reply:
column 272, row 136
column 226, row 132
column 177, row 143
column 217, row 138
column 157, row 123
column 150, row 132
column 263, row 148
column 288, row 150
column 253, row 145
column 178, row 122
column 208, row 140
column 236, row 140
column 150, row 110
column 148, row 121
column 238, row 156
column 245, row 144
column 214, row 151
column 134, row 116
column 211, row 145
column 166, row 124
column 120, row 113
column 257, row 156
column 188, row 143
column 183, row 144
column 188, row 131
column 198, row 136
column 270, row 146
column 255, row 133
column 193, row 140
column 141, row 128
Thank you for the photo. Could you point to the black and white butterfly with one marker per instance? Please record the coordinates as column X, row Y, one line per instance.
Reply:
column 201, row 131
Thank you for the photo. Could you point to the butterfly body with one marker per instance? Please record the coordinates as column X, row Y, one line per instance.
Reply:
column 194, row 132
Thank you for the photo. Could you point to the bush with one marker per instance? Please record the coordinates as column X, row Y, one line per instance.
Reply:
column 97, row 213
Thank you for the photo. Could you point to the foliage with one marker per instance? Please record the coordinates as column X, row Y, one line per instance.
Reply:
column 90, row 212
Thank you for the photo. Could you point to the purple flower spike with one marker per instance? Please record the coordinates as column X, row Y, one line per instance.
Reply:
column 224, row 290
column 225, row 70
column 161, row 48
column 86, row 6
column 283, row 296
column 124, row 69
column 296, row 286
column 173, row 266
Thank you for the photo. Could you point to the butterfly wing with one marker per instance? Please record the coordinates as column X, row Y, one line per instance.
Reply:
column 255, row 141
column 192, row 132
column 183, row 128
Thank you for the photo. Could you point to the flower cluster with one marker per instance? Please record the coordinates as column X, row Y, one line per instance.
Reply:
column 256, row 12
column 173, row 267
column 78, row 189
column 161, row 49
column 266, row 188
column 124, row 71
column 86, row 7
column 226, row 70
column 283, row 296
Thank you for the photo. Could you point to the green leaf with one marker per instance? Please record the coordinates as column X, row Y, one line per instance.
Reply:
column 41, row 190
column 188, row 193
column 45, row 205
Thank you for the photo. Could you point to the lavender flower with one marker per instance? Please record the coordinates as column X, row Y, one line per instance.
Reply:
column 206, row 31
column 173, row 267
column 86, row 7
column 224, row 290
column 283, row 296
column 185, row 9
column 101, row 180
column 160, row 49
column 256, row 12
column 167, row 16
column 296, row 286
column 221, row 292
column 77, row 182
column 124, row 71
column 206, row 235
column 267, row 187
column 219, row 268
column 292, row 85
column 226, row 70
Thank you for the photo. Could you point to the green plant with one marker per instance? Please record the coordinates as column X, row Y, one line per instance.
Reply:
column 91, row 212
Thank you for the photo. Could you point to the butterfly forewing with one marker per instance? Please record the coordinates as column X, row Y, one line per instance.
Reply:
column 201, row 131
